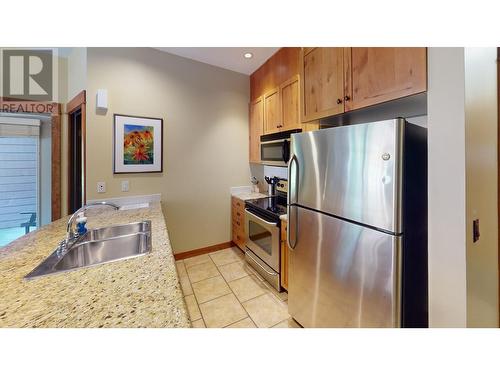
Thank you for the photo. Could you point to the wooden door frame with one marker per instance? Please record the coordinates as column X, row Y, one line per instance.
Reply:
column 79, row 102
column 54, row 109
column 498, row 171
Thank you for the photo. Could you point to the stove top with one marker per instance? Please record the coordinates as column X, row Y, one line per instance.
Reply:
column 274, row 205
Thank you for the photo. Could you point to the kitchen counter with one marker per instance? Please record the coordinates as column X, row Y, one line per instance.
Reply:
column 249, row 195
column 137, row 292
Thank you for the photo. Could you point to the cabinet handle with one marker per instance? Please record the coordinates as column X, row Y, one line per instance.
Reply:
column 339, row 101
column 347, row 98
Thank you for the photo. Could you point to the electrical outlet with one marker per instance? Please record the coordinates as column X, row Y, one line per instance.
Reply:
column 101, row 187
column 125, row 185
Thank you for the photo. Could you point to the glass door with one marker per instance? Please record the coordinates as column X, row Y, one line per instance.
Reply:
column 19, row 179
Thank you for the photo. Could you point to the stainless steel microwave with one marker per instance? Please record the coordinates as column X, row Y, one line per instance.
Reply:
column 275, row 148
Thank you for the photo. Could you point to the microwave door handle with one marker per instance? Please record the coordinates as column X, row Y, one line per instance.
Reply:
column 285, row 151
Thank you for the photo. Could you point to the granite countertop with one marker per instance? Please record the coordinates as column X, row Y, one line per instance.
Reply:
column 137, row 292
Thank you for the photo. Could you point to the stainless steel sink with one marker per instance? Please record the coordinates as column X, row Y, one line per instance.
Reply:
column 117, row 230
column 97, row 246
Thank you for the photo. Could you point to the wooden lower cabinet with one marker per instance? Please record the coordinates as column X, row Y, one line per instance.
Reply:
column 238, row 222
column 284, row 256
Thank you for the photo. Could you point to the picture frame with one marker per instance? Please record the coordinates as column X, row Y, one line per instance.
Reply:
column 137, row 144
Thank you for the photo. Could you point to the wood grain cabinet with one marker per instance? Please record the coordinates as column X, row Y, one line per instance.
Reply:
column 376, row 75
column 337, row 80
column 284, row 256
column 256, row 128
column 238, row 222
column 281, row 107
column 289, row 93
column 272, row 112
column 322, row 82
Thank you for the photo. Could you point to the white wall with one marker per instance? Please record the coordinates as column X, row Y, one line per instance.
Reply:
column 481, row 166
column 446, row 206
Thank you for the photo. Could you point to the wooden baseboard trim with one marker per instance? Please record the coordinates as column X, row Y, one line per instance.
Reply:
column 204, row 250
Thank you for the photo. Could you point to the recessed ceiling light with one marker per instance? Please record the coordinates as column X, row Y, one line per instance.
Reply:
column 248, row 55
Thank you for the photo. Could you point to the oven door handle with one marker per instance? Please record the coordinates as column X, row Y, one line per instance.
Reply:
column 259, row 218
column 247, row 253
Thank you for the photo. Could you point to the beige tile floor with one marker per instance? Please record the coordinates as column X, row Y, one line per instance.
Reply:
column 221, row 290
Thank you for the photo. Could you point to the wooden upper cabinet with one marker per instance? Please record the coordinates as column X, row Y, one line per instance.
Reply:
column 376, row 75
column 272, row 112
column 323, row 82
column 289, row 93
column 280, row 67
column 256, row 128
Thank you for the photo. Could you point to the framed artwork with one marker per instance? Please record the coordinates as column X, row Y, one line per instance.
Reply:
column 137, row 144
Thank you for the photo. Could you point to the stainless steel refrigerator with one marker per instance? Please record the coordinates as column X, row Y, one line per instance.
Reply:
column 357, row 226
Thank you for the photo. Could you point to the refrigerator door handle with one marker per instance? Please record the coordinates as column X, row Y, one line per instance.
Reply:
column 293, row 226
column 293, row 190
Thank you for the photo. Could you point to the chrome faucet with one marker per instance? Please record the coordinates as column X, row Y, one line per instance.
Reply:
column 70, row 234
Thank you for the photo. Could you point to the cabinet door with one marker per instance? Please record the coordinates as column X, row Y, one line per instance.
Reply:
column 290, row 110
column 323, row 82
column 256, row 128
column 381, row 74
column 272, row 117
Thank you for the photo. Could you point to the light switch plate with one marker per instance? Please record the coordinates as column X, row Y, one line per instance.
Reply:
column 101, row 187
column 125, row 185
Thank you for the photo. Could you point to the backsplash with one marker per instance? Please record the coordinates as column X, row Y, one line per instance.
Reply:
column 280, row 172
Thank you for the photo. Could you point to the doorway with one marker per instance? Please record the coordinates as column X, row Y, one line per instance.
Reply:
column 76, row 152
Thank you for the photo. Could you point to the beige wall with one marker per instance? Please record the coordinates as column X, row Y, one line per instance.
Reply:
column 462, row 122
column 481, row 167
column 77, row 71
column 75, row 81
column 446, row 184
column 205, row 113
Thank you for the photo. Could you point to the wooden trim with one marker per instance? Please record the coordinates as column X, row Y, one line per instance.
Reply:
column 78, row 102
column 56, row 167
column 204, row 250
column 498, row 169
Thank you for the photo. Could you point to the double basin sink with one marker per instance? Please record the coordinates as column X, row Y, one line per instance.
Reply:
column 97, row 246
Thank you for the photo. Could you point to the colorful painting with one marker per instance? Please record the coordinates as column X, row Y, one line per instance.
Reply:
column 138, row 144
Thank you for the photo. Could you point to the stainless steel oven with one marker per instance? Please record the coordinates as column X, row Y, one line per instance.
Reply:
column 275, row 148
column 263, row 246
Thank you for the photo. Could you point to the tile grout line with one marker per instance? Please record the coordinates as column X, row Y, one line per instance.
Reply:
column 195, row 299
column 232, row 292
column 230, row 324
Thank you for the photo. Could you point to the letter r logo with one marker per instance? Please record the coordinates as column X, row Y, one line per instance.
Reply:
column 27, row 74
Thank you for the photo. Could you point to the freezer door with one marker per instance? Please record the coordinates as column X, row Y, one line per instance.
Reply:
column 351, row 171
column 342, row 274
